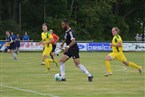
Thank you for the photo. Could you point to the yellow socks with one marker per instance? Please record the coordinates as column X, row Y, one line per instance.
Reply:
column 108, row 66
column 50, row 60
column 131, row 64
column 47, row 63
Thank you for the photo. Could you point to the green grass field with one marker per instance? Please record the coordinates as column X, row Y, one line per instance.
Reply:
column 27, row 78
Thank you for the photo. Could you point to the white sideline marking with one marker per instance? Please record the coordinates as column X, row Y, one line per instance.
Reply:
column 30, row 91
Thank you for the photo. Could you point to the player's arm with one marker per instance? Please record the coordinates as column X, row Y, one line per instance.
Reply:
column 11, row 40
column 62, row 44
column 50, row 40
column 42, row 39
column 57, row 38
column 73, row 41
column 119, row 44
column 40, row 42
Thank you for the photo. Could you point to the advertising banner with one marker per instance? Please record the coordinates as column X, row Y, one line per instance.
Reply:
column 93, row 46
column 134, row 46
column 82, row 46
column 98, row 47
column 30, row 46
column 2, row 47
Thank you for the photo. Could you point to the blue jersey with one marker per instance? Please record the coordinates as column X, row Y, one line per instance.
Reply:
column 17, row 41
column 18, row 38
column 26, row 37
column 13, row 37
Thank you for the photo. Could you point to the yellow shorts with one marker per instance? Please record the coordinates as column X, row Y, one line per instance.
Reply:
column 47, row 51
column 118, row 55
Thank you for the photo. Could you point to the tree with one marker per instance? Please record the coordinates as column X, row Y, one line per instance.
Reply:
column 91, row 19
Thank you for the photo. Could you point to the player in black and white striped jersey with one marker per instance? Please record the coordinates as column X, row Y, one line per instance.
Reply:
column 71, row 50
column 11, row 44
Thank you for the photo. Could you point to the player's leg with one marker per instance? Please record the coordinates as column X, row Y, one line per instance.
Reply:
column 52, row 54
column 83, row 68
column 123, row 59
column 13, row 53
column 132, row 64
column 46, row 53
column 43, row 63
column 108, row 58
column 63, row 59
column 11, row 50
column 46, row 60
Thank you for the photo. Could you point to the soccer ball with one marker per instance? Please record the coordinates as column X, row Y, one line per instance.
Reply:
column 57, row 77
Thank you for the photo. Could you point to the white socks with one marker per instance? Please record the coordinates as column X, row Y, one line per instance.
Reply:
column 57, row 51
column 80, row 66
column 83, row 69
column 62, row 70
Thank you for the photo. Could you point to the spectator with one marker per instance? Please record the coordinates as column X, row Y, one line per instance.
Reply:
column 17, row 43
column 13, row 36
column 26, row 37
column 14, row 40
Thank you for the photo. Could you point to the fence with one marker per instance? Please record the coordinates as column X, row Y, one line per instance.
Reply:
column 83, row 46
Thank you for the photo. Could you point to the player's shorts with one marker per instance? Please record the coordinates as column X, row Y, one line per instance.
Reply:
column 47, row 50
column 12, row 46
column 72, row 52
column 53, row 47
column 118, row 55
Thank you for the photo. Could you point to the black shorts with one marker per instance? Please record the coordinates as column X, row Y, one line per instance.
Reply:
column 72, row 52
column 53, row 47
column 12, row 46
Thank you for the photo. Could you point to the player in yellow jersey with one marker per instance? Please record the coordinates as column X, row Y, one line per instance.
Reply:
column 47, row 39
column 117, row 53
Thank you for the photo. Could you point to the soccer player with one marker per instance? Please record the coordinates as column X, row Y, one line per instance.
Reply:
column 11, row 44
column 117, row 53
column 71, row 50
column 47, row 39
column 55, row 40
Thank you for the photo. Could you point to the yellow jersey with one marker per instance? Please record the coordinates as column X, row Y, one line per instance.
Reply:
column 116, row 39
column 46, row 36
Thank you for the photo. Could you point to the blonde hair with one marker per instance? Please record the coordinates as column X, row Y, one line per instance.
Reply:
column 44, row 24
column 117, row 29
